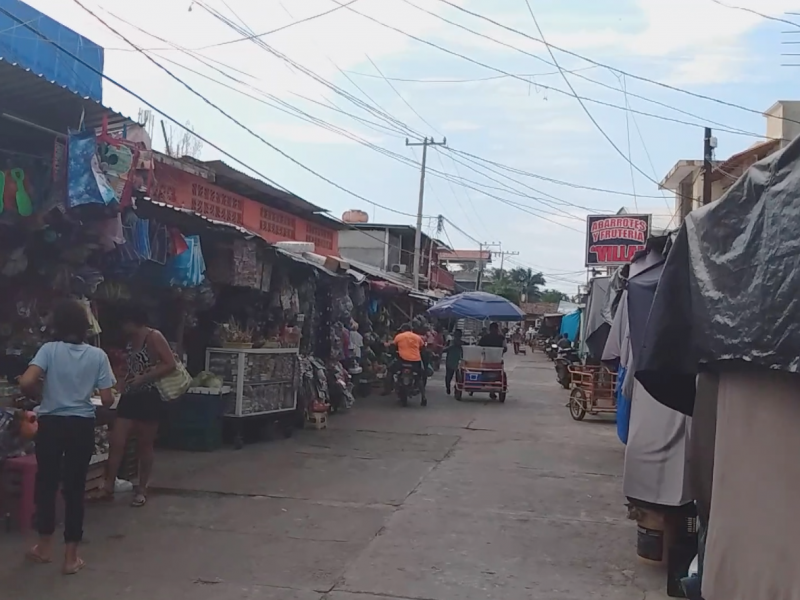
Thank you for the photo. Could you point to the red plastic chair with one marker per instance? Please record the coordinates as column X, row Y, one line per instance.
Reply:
column 25, row 467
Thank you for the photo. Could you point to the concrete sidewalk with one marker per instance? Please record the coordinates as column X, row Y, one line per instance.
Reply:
column 457, row 501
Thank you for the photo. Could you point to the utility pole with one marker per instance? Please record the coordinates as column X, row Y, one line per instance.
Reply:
column 503, row 256
column 418, row 237
column 708, row 157
column 481, row 262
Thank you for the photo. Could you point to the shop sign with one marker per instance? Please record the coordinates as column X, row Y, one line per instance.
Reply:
column 184, row 190
column 615, row 239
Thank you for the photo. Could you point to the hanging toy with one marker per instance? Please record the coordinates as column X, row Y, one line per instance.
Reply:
column 24, row 203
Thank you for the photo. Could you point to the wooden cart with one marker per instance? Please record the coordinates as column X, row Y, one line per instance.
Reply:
column 593, row 391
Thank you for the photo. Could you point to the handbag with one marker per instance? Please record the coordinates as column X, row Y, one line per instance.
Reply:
column 173, row 386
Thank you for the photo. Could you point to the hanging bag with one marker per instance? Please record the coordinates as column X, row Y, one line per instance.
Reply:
column 173, row 386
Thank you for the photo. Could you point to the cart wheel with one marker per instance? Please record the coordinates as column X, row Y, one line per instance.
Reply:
column 577, row 403
column 501, row 396
column 458, row 394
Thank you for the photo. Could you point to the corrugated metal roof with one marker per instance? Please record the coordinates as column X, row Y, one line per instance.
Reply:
column 197, row 217
column 32, row 97
column 379, row 273
column 251, row 187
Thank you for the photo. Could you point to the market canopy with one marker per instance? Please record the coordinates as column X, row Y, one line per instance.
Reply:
column 477, row 305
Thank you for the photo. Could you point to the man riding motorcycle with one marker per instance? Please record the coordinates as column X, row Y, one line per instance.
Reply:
column 410, row 346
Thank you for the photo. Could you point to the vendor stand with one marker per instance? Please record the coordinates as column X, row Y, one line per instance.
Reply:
column 265, row 383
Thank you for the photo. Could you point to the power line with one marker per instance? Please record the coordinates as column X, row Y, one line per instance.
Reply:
column 600, row 64
column 721, row 126
column 469, row 80
column 360, row 119
column 247, row 37
column 548, row 179
column 758, row 14
column 233, row 119
column 583, row 106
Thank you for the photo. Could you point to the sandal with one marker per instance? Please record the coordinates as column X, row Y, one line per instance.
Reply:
column 139, row 500
column 72, row 570
column 33, row 556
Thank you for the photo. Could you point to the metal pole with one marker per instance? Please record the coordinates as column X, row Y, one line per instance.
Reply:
column 418, row 235
column 708, row 157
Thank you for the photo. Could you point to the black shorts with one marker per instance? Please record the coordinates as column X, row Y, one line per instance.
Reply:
column 145, row 406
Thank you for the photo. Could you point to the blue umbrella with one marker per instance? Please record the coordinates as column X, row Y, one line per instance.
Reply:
column 476, row 305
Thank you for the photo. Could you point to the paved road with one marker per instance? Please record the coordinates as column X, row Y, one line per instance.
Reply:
column 457, row 501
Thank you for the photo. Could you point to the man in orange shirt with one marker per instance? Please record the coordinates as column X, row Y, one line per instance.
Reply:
column 409, row 350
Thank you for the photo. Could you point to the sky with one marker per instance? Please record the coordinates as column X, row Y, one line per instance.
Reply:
column 372, row 71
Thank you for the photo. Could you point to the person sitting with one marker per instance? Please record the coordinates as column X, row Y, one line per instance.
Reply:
column 564, row 343
column 493, row 339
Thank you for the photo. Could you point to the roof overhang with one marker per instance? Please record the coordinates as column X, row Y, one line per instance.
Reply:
column 679, row 173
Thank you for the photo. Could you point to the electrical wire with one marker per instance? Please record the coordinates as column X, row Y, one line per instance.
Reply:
column 720, row 126
column 628, row 135
column 600, row 64
column 544, row 178
column 470, row 80
column 247, row 37
column 368, row 123
column 758, row 14
column 236, row 121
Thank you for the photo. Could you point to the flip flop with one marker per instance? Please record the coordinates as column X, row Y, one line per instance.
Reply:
column 33, row 556
column 139, row 500
column 74, row 568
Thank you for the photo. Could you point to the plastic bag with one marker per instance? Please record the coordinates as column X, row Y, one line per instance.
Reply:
column 86, row 183
column 187, row 269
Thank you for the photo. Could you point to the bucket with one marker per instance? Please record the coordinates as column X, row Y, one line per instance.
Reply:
column 653, row 537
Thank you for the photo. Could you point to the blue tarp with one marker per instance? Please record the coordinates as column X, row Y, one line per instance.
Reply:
column 571, row 324
column 476, row 305
column 29, row 50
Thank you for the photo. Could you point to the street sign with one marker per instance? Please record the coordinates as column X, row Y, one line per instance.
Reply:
column 614, row 239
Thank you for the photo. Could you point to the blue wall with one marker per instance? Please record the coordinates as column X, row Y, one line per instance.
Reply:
column 20, row 45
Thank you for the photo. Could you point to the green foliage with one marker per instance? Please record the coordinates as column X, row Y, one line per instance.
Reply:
column 553, row 296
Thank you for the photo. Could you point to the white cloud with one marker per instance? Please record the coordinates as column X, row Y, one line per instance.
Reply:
column 461, row 126
column 309, row 134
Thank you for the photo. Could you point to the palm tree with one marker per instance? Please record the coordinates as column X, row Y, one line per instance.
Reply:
column 502, row 285
column 528, row 283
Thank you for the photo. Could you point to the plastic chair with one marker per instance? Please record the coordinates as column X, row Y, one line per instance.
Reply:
column 25, row 467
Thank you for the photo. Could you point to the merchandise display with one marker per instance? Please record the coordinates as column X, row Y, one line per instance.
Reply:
column 265, row 380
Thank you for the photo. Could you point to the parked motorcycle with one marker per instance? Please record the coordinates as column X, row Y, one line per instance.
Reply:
column 407, row 384
column 565, row 359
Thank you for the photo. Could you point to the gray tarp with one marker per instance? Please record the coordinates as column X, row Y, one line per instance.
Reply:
column 656, row 449
column 596, row 327
column 730, row 290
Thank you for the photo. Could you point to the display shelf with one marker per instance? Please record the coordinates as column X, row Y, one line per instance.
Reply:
column 265, row 380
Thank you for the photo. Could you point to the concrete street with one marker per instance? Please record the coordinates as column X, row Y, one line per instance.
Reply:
column 457, row 501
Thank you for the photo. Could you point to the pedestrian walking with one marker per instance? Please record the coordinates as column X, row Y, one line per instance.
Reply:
column 455, row 352
column 65, row 373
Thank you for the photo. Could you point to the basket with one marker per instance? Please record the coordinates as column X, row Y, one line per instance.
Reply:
column 237, row 345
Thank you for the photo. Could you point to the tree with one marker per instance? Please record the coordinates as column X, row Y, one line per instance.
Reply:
column 181, row 141
column 528, row 283
column 553, row 296
column 502, row 285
